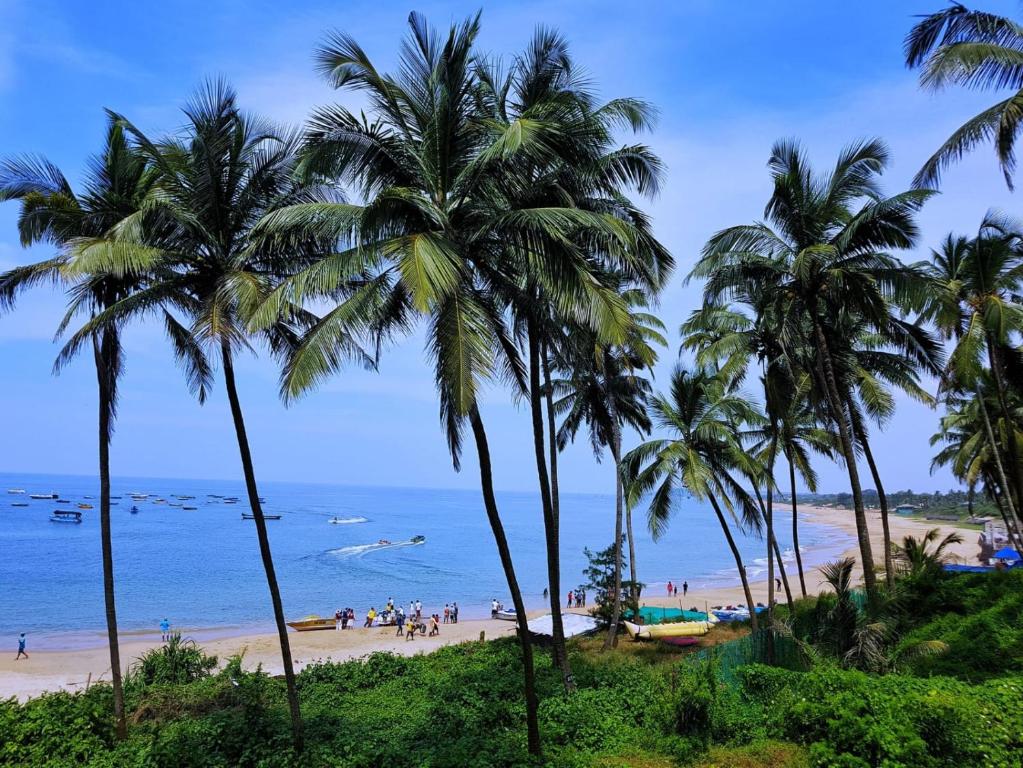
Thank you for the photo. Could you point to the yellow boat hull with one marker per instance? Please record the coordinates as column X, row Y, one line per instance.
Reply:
column 311, row 623
column 678, row 629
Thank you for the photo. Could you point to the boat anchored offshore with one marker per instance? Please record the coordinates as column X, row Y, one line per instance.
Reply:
column 15, row 490
column 65, row 516
column 134, row 509
column 43, row 496
column 85, row 506
column 248, row 516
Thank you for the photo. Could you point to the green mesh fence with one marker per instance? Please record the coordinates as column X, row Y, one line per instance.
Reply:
column 752, row 649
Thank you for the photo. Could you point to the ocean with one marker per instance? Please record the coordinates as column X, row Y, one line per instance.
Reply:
column 201, row 569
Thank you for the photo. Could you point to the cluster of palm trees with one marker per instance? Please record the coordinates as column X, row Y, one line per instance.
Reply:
column 490, row 202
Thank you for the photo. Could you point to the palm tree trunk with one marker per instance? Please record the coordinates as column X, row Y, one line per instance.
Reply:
column 634, row 583
column 1010, row 424
column 997, row 455
column 738, row 562
column 264, row 547
column 838, row 412
column 104, row 352
column 550, row 526
column 889, row 564
column 795, row 528
column 784, row 577
column 769, row 522
column 490, row 503
column 552, row 438
column 616, row 602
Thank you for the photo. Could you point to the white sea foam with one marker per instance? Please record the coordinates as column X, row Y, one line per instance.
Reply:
column 347, row 520
column 361, row 549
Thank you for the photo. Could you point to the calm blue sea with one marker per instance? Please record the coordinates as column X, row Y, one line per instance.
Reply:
column 202, row 569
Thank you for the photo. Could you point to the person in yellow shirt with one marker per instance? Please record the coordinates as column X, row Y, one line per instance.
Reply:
column 370, row 617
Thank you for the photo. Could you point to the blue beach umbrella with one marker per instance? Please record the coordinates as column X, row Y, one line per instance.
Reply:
column 1007, row 553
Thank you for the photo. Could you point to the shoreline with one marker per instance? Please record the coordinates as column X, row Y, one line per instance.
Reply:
column 76, row 667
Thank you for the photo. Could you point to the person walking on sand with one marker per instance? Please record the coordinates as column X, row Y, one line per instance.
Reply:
column 369, row 617
column 671, row 587
column 434, row 626
column 21, row 648
column 676, row 590
column 165, row 630
column 419, row 611
column 685, row 588
column 410, row 629
column 338, row 620
column 570, row 595
column 454, row 613
column 447, row 613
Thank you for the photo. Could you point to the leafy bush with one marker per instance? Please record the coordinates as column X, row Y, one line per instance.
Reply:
column 177, row 662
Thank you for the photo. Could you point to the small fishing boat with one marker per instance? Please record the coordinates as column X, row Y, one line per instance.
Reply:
column 116, row 498
column 347, row 520
column 384, row 542
column 312, row 622
column 249, row 516
column 507, row 614
column 134, row 509
column 230, row 501
column 63, row 501
column 190, row 509
column 43, row 496
column 418, row 539
column 15, row 490
column 65, row 516
column 19, row 504
column 85, row 506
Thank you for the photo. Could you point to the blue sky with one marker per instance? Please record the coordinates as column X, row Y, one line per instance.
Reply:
column 727, row 78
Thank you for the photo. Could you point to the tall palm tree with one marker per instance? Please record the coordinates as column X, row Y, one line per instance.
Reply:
column 824, row 256
column 221, row 175
column 980, row 51
column 117, row 182
column 702, row 456
column 972, row 301
column 446, row 233
column 605, row 391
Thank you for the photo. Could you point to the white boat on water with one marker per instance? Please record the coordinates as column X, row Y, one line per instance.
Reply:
column 347, row 520
column 15, row 490
column 63, row 516
column 42, row 496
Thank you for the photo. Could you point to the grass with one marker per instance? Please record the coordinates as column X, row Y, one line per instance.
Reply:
column 764, row 754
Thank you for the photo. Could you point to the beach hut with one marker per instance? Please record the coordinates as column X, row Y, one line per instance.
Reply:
column 906, row 509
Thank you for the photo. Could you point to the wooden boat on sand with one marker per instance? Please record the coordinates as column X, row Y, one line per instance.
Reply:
column 310, row 623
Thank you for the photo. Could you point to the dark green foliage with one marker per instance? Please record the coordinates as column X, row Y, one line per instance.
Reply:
column 600, row 583
column 460, row 706
column 179, row 661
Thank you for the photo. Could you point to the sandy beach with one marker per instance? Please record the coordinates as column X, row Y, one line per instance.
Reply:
column 48, row 670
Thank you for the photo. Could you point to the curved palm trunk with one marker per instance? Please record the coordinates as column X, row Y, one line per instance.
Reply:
column 550, row 524
column 264, row 547
column 838, row 412
column 616, row 609
column 497, row 527
column 795, row 529
column 738, row 562
column 889, row 564
column 104, row 352
column 769, row 522
column 774, row 545
column 997, row 455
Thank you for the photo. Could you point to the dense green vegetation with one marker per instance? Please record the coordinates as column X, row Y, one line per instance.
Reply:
column 952, row 503
column 459, row 706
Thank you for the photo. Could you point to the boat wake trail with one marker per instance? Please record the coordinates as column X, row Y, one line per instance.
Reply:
column 361, row 549
column 347, row 520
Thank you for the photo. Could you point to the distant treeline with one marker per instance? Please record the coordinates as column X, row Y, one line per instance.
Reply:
column 950, row 502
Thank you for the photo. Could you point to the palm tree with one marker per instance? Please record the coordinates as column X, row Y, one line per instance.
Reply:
column 917, row 558
column 605, row 392
column 980, row 51
column 702, row 456
column 825, row 258
column 51, row 211
column 225, row 172
column 584, row 170
column 446, row 234
column 971, row 301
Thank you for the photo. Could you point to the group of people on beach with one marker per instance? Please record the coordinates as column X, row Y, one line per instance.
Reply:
column 577, row 598
column 673, row 589
column 408, row 623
